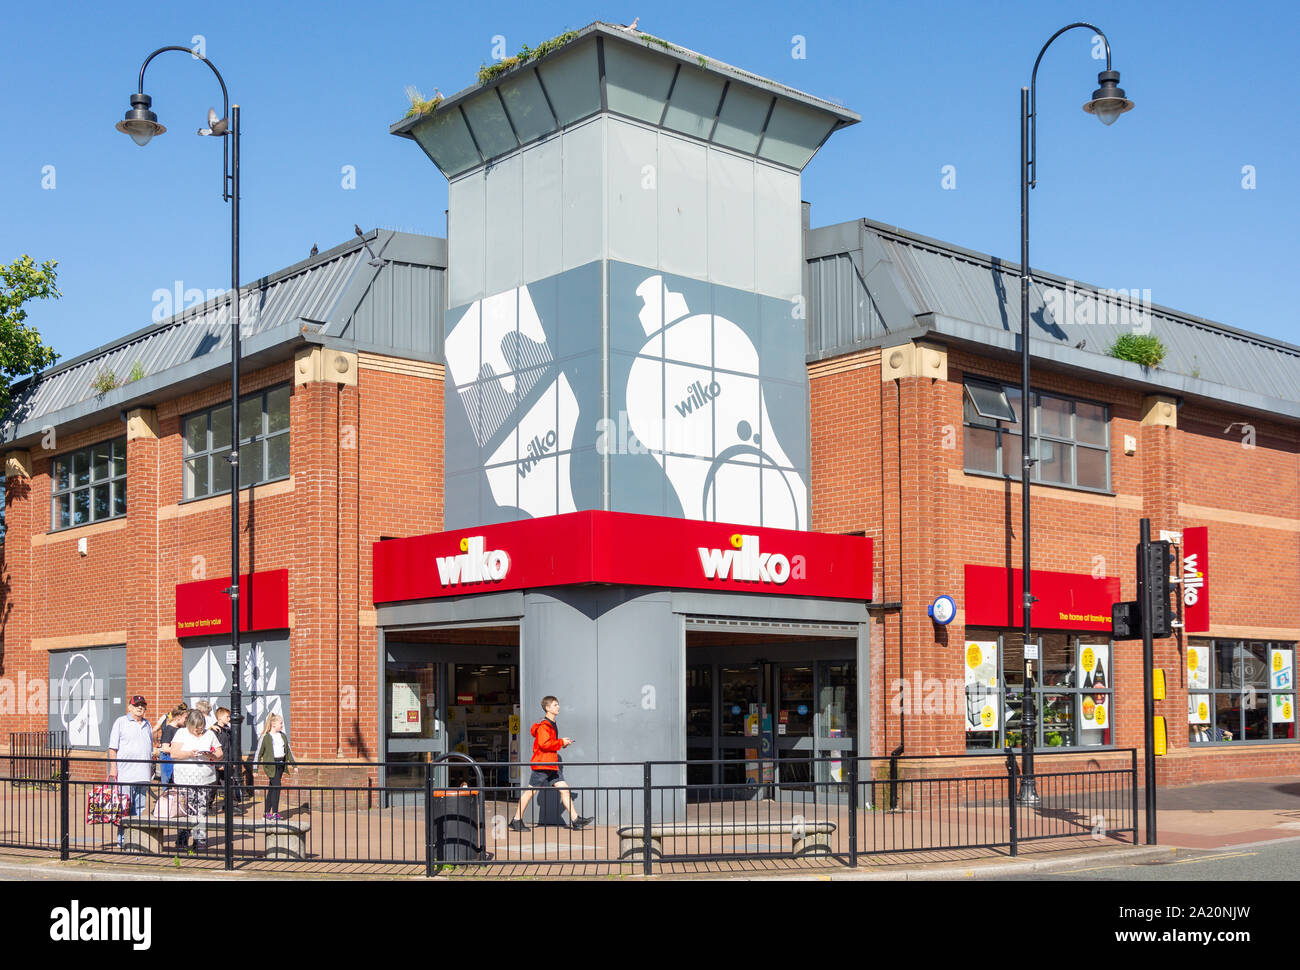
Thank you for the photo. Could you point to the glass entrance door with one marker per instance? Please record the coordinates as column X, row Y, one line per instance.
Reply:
column 414, row 719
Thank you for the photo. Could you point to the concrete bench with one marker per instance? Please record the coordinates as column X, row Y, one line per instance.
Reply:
column 285, row 839
column 805, row 837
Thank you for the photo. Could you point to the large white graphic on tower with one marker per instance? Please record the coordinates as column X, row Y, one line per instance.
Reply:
column 520, row 407
column 706, row 422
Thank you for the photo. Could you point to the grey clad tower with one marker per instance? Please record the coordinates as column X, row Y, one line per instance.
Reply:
column 625, row 325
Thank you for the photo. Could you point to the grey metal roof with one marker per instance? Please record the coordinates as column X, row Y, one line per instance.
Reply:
column 871, row 283
column 609, row 68
column 328, row 298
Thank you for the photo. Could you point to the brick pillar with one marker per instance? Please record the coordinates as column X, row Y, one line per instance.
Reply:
column 918, row 524
column 351, row 674
column 318, row 665
column 21, row 667
column 1160, row 455
column 143, row 672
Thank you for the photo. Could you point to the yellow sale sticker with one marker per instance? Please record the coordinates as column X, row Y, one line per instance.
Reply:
column 986, row 716
column 974, row 656
column 1089, row 659
column 1193, row 659
column 1277, row 660
column 1203, row 711
column 1099, row 715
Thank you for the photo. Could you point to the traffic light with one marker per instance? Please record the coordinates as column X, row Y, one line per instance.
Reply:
column 1154, row 559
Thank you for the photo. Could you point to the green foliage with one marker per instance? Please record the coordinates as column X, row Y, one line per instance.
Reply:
column 137, row 372
column 22, row 351
column 489, row 71
column 420, row 105
column 105, row 381
column 652, row 39
column 1144, row 349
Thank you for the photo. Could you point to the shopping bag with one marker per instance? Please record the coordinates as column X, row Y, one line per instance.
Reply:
column 107, row 804
column 171, row 804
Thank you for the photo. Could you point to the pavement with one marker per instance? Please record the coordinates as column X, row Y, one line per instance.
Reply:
column 1227, row 820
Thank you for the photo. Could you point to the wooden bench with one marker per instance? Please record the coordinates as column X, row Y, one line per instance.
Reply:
column 285, row 839
column 805, row 837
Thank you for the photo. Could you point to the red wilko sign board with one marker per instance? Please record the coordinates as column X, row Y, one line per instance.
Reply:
column 623, row 549
column 1065, row 601
column 1196, row 579
column 203, row 608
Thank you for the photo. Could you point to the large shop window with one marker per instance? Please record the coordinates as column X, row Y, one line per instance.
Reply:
column 1073, row 690
column 89, row 485
column 264, row 678
column 87, row 693
column 1240, row 691
column 263, row 444
column 1071, row 438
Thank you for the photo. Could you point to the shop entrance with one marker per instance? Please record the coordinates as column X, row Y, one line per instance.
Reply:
column 451, row 690
column 771, row 707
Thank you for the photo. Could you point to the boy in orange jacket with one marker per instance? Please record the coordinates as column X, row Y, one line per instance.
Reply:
column 546, row 769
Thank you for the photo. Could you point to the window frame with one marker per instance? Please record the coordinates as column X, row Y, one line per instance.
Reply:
column 1036, row 435
column 1003, row 691
column 1264, row 694
column 262, row 439
column 113, row 481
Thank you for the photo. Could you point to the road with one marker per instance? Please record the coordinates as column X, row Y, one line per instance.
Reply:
column 1259, row 862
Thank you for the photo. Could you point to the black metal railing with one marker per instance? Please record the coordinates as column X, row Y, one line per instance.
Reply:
column 35, row 756
column 639, row 815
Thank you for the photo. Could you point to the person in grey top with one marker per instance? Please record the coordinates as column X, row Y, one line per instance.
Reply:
column 130, row 756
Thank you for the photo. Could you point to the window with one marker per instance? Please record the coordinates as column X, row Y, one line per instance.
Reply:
column 1073, row 690
column 1071, row 438
column 263, row 445
column 264, row 669
column 89, row 485
column 1240, row 691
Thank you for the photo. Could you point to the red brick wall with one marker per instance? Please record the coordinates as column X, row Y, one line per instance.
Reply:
column 887, row 459
column 365, row 461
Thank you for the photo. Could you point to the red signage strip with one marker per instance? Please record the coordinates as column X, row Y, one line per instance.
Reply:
column 1065, row 601
column 624, row 549
column 203, row 608
column 1196, row 579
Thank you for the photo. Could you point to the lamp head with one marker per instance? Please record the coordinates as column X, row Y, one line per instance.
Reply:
column 1108, row 101
column 140, row 123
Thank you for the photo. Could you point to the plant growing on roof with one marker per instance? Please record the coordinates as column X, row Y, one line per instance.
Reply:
column 1140, row 348
column 487, row 72
column 137, row 372
column 105, row 380
column 420, row 105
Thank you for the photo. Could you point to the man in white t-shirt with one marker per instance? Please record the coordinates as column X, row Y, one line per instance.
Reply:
column 194, row 751
column 130, row 757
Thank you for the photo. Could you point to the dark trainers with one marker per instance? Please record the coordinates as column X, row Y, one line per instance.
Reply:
column 580, row 823
column 517, row 825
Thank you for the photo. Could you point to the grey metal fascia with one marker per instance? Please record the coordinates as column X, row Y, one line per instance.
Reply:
column 887, row 290
column 257, row 351
column 836, row 240
column 1107, row 369
column 764, row 606
column 351, row 346
column 505, row 605
column 843, row 116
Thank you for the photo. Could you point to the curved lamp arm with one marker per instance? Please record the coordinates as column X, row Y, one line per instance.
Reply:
column 1033, row 95
column 225, row 96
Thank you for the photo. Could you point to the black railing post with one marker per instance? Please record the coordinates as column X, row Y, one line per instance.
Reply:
column 645, row 822
column 853, row 811
column 429, row 868
column 1011, row 802
column 893, row 779
column 229, row 794
column 1133, row 787
column 65, row 780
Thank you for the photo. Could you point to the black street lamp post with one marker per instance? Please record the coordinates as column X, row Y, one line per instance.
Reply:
column 142, row 124
column 1108, row 103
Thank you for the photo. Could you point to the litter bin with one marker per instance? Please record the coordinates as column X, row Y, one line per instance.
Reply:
column 456, row 817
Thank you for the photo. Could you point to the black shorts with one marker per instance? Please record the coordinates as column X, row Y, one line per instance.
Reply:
column 545, row 779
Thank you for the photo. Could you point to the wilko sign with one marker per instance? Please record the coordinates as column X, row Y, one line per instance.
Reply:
column 475, row 564
column 203, row 607
column 744, row 562
column 1196, row 579
column 619, row 548
column 1063, row 601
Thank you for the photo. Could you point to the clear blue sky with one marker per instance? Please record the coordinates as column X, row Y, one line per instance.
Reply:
column 1156, row 201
